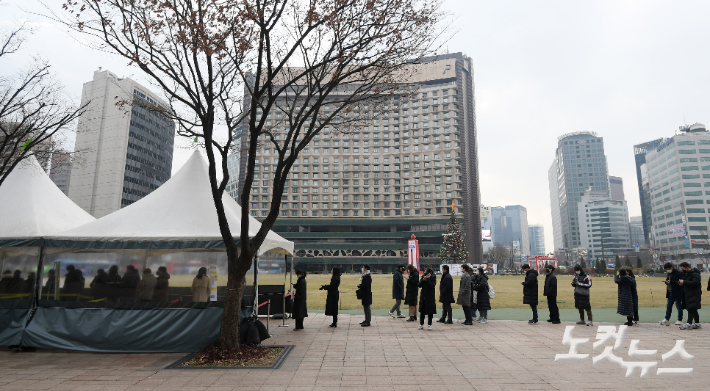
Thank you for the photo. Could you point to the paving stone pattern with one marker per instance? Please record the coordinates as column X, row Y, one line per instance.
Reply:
column 390, row 355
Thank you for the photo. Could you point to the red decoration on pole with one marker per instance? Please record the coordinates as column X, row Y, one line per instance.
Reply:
column 413, row 252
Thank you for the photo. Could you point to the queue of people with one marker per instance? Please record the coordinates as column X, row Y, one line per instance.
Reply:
column 110, row 285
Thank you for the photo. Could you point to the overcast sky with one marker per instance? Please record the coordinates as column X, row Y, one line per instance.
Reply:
column 631, row 71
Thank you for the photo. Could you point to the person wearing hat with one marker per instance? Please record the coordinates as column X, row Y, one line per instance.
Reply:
column 692, row 289
column 397, row 292
column 550, row 291
column 530, row 295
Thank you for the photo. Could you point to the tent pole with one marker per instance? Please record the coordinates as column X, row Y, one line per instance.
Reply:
column 283, row 312
column 256, row 286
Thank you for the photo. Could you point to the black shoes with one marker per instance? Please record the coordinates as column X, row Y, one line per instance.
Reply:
column 468, row 323
column 550, row 320
column 442, row 320
column 411, row 319
column 333, row 325
column 555, row 321
column 629, row 323
column 449, row 322
column 364, row 324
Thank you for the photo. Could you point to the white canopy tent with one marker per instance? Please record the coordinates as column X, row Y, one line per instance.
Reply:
column 32, row 206
column 180, row 214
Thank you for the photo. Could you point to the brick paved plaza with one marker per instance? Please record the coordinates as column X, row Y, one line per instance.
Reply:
column 390, row 355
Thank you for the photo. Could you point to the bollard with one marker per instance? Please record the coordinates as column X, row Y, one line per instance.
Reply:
column 268, row 315
column 283, row 314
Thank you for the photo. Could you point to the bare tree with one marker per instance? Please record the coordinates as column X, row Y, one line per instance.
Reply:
column 314, row 64
column 35, row 114
column 500, row 255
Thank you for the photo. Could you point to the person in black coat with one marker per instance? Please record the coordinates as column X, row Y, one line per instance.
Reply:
column 446, row 295
column 300, row 311
column 674, row 294
column 692, row 289
column 16, row 283
column 427, row 297
column 73, row 281
column 582, row 284
column 550, row 291
column 29, row 286
column 331, row 302
column 397, row 292
column 112, row 280
column 365, row 289
column 530, row 295
column 483, row 300
column 625, row 306
column 128, row 284
column 161, row 291
column 412, row 294
column 48, row 290
column 634, row 294
column 98, row 284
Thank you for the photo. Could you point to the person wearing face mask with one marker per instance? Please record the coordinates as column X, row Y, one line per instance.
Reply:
column 365, row 295
column 427, row 297
column 465, row 294
column 691, row 283
column 483, row 300
column 581, row 283
column 550, row 291
column 530, row 294
column 674, row 294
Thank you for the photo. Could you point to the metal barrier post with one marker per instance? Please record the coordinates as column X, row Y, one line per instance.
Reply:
column 268, row 314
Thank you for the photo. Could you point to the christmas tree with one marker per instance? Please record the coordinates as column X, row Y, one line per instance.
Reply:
column 453, row 250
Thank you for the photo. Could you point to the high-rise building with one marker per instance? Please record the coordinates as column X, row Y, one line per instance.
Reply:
column 616, row 188
column 636, row 231
column 579, row 165
column 678, row 171
column 536, row 235
column 233, row 165
column 509, row 225
column 642, row 178
column 60, row 171
column 361, row 194
column 604, row 225
column 128, row 144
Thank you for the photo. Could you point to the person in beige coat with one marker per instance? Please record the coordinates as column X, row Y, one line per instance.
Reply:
column 145, row 287
column 201, row 286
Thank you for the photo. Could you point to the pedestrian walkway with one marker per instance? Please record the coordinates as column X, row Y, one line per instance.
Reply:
column 390, row 355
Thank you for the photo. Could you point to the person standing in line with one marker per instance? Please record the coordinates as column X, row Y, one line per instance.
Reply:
column 201, row 286
column 331, row 301
column 397, row 292
column 365, row 288
column 48, row 290
column 427, row 297
column 98, row 284
column 530, row 294
column 128, row 283
column 73, row 281
column 674, row 294
column 634, row 294
column 146, row 286
column 692, row 289
column 446, row 295
column 625, row 306
column 581, row 283
column 112, row 280
column 550, row 291
column 300, row 309
column 162, row 286
column 412, row 295
column 483, row 300
column 465, row 293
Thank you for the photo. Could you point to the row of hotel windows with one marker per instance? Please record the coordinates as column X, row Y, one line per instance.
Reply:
column 355, row 213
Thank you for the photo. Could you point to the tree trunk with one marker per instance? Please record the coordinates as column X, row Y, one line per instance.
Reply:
column 231, row 318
